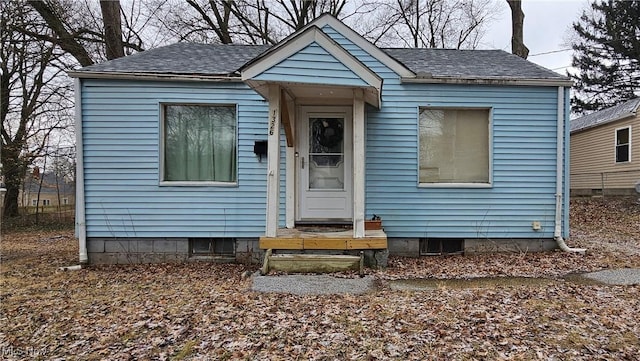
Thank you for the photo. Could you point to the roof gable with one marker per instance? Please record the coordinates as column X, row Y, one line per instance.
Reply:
column 618, row 112
column 313, row 56
column 277, row 64
column 357, row 39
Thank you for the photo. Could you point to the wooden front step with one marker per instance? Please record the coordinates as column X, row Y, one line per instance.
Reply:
column 310, row 263
column 294, row 239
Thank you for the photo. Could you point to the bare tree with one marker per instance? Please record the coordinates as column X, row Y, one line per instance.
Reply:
column 417, row 23
column 40, row 41
column 437, row 23
column 242, row 21
column 34, row 101
column 268, row 22
column 295, row 14
column 82, row 31
column 67, row 40
column 517, row 24
column 195, row 20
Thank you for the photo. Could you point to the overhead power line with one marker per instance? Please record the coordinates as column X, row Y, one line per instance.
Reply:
column 551, row 52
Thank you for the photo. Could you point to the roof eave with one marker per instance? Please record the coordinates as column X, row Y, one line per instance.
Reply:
column 596, row 125
column 151, row 76
column 489, row 81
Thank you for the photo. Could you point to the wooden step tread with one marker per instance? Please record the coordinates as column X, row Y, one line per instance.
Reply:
column 294, row 239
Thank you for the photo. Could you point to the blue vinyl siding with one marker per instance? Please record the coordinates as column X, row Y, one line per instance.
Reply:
column 313, row 65
column 523, row 176
column 121, row 123
column 524, row 160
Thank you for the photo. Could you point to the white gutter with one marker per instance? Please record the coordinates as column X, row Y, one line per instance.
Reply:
column 81, row 225
column 557, row 233
column 488, row 81
column 151, row 76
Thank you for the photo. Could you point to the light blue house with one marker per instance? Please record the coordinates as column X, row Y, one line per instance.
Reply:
column 192, row 151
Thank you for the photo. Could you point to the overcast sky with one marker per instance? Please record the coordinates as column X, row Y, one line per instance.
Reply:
column 546, row 29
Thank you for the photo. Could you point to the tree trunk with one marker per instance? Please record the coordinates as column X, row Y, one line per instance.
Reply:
column 517, row 24
column 13, row 175
column 112, row 28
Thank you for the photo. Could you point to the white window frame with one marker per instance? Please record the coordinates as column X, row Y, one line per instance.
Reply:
column 65, row 201
column 490, row 150
column 615, row 145
column 46, row 202
column 34, row 202
column 161, row 116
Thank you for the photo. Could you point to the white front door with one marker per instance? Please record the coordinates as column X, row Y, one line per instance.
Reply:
column 325, row 164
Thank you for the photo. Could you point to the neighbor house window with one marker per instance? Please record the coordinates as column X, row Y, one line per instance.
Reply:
column 46, row 202
column 65, row 201
column 454, row 146
column 34, row 202
column 623, row 145
column 199, row 143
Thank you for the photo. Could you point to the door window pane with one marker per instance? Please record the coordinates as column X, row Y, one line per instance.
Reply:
column 326, row 153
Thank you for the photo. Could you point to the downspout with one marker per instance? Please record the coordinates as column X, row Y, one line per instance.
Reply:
column 557, row 233
column 81, row 225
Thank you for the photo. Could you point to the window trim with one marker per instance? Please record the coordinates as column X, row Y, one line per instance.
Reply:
column 161, row 117
column 615, row 145
column 489, row 184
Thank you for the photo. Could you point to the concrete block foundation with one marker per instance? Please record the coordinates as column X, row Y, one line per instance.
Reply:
column 247, row 251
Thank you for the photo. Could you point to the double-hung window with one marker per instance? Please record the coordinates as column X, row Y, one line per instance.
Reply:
column 199, row 143
column 454, row 146
column 623, row 145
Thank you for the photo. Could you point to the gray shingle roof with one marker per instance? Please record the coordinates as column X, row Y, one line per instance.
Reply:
column 470, row 64
column 183, row 58
column 211, row 60
column 622, row 110
column 49, row 182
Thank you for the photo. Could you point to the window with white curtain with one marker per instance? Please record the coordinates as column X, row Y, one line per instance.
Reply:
column 199, row 143
column 454, row 146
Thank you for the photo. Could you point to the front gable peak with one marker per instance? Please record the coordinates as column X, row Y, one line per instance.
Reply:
column 364, row 44
column 311, row 57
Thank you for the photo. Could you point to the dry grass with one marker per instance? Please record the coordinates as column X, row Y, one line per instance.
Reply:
column 205, row 311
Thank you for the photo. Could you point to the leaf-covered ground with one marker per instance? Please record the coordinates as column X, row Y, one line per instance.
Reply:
column 202, row 311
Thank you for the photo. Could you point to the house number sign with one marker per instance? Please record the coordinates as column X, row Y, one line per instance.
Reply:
column 272, row 124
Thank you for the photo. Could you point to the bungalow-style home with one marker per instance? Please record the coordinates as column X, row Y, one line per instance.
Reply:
column 605, row 157
column 202, row 151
